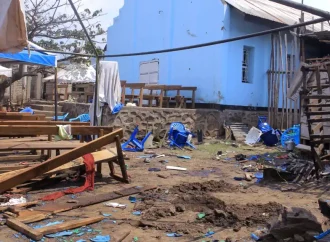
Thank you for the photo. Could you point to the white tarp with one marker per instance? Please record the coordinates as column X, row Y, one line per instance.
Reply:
column 74, row 73
column 13, row 33
column 109, row 89
column 7, row 72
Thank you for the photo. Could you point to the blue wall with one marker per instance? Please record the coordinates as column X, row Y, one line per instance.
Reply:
column 147, row 25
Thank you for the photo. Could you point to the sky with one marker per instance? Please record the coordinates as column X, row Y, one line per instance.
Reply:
column 111, row 8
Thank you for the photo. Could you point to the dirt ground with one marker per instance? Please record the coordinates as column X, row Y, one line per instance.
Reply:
column 232, row 209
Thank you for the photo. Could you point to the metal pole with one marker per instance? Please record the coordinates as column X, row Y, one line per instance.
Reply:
column 302, row 7
column 95, row 100
column 55, row 93
column 223, row 41
column 83, row 26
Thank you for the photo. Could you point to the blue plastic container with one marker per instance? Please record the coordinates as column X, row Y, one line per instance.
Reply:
column 263, row 125
column 291, row 134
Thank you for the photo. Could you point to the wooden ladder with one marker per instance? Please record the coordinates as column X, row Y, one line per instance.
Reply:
column 316, row 103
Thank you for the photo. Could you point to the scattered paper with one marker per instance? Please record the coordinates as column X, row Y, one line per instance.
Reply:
column 14, row 201
column 115, row 205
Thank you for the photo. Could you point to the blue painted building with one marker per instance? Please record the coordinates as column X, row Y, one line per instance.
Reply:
column 233, row 73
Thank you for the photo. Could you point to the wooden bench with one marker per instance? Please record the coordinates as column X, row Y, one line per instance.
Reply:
column 167, row 98
column 151, row 97
column 37, row 122
column 21, row 116
column 123, row 90
column 132, row 96
column 185, row 99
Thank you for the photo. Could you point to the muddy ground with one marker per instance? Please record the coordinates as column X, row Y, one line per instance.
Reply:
column 232, row 209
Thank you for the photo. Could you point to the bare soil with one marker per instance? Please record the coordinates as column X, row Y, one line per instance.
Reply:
column 233, row 209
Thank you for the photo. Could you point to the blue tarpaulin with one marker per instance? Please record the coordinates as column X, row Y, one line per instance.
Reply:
column 34, row 57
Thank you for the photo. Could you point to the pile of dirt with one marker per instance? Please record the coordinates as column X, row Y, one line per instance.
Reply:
column 197, row 188
column 195, row 197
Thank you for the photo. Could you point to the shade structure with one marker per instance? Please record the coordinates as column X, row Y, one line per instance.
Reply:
column 31, row 57
column 5, row 72
column 74, row 73
column 13, row 33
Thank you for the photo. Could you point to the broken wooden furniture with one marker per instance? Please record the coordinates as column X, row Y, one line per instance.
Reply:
column 315, row 98
column 135, row 97
column 37, row 234
column 236, row 131
column 37, row 122
column 21, row 116
column 158, row 97
column 7, row 183
column 123, row 90
column 182, row 103
column 167, row 99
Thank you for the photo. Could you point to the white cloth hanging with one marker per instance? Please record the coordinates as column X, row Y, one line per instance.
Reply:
column 109, row 89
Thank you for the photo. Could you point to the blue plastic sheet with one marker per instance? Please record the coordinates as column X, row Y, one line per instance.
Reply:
column 209, row 234
column 59, row 234
column 34, row 57
column 137, row 213
column 101, row 238
column 173, row 235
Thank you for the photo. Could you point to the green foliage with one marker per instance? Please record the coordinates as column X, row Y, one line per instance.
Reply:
column 50, row 25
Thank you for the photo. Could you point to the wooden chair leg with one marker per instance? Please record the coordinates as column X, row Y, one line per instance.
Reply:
column 49, row 152
column 121, row 160
column 99, row 166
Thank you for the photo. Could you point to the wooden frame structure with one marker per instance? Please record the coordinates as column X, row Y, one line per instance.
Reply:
column 38, row 170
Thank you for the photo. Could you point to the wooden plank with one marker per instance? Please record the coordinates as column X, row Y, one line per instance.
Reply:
column 69, row 225
column 37, row 122
column 321, row 105
column 12, row 158
column 319, row 120
column 318, row 113
column 13, row 130
column 77, row 164
column 316, row 96
column 43, row 145
column 24, row 229
column 14, row 114
column 91, row 200
column 29, row 173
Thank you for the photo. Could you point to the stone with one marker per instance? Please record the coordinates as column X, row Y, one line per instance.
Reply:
column 180, row 208
column 298, row 238
column 309, row 235
column 220, row 213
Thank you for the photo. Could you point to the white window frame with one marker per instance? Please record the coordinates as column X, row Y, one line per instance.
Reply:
column 150, row 74
column 247, row 64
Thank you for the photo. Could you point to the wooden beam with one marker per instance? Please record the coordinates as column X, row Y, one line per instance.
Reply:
column 16, row 130
column 37, row 122
column 37, row 234
column 29, row 173
column 24, row 229
column 43, row 145
column 69, row 225
column 12, row 158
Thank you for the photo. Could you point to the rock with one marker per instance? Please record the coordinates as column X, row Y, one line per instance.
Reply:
column 248, row 177
column 298, row 238
column 228, row 239
column 288, row 240
column 72, row 201
column 220, row 213
column 236, row 228
column 180, row 208
column 309, row 235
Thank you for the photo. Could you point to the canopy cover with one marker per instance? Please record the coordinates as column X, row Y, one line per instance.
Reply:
column 13, row 33
column 32, row 57
column 74, row 73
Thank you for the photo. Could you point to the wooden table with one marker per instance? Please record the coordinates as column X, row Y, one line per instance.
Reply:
column 21, row 116
column 132, row 96
column 151, row 96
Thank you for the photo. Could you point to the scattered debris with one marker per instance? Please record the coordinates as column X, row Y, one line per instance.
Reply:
column 154, row 169
column 176, row 168
column 173, row 235
column 14, row 201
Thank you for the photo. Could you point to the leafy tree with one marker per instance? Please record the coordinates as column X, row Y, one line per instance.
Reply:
column 50, row 25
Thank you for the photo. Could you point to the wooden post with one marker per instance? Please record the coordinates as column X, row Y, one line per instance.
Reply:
column 286, row 80
column 141, row 97
column 193, row 99
column 49, row 152
column 282, row 80
column 121, row 159
column 99, row 166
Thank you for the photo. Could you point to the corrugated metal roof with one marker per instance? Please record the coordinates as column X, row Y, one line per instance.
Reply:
column 276, row 12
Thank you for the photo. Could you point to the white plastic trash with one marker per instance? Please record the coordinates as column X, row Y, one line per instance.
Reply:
column 176, row 168
column 253, row 136
column 115, row 205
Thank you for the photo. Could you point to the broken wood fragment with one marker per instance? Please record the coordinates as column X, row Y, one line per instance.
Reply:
column 24, row 229
column 40, row 169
